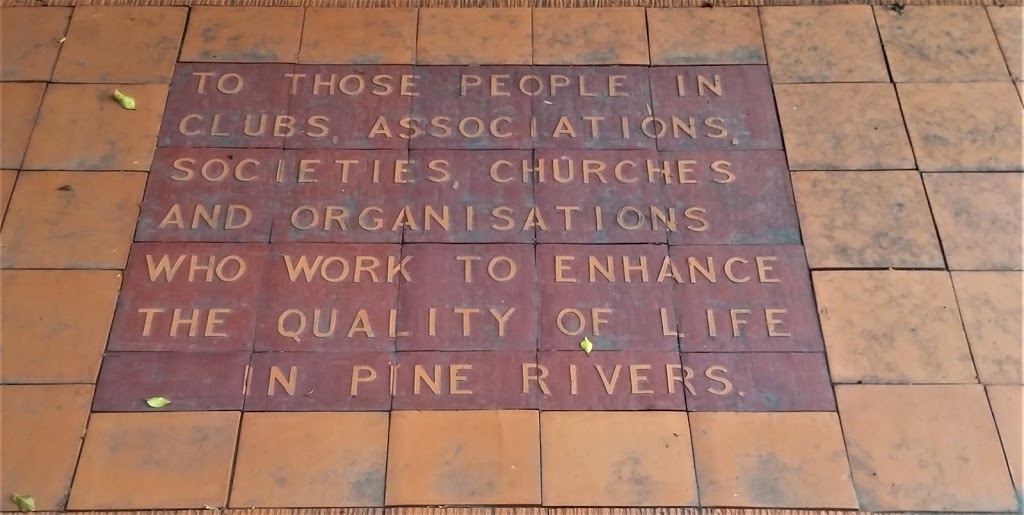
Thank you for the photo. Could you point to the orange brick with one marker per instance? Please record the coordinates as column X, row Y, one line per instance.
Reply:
column 358, row 36
column 1006, row 21
column 606, row 35
column 7, row 180
column 1007, row 402
column 990, row 304
column 30, row 38
column 705, row 36
column 19, row 102
column 834, row 43
column 474, row 36
column 978, row 216
column 243, row 34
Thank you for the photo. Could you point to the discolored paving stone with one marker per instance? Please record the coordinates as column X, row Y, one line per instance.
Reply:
column 705, row 36
column 7, row 180
column 314, row 381
column 978, row 217
column 1006, row 23
column 608, row 381
column 132, row 44
column 197, row 297
column 20, row 102
column 71, row 220
column 610, row 294
column 48, row 339
column 468, row 297
column 866, row 220
column 892, row 327
column 940, row 43
column 30, row 39
column 843, row 127
column 463, row 457
column 311, row 459
column 1006, row 402
column 713, row 107
column 463, row 380
column 581, row 36
column 43, row 427
column 777, row 460
column 191, row 381
column 763, row 381
column 835, row 43
column 626, row 459
column 743, row 299
column 358, row 36
column 243, row 34
column 990, row 304
column 474, row 36
column 155, row 460
column 902, row 461
column 964, row 126
column 81, row 127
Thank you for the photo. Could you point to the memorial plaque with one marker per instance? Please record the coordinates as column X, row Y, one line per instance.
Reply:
column 615, row 381
column 464, row 380
column 762, row 381
column 195, row 381
column 310, row 381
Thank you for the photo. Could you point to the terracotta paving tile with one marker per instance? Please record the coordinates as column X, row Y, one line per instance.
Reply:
column 315, row 381
column 866, row 220
column 133, row 44
column 759, row 298
column 625, row 459
column 48, row 339
column 924, row 448
column 475, row 36
column 609, row 294
column 713, row 107
column 1010, row 35
column 228, row 105
column 836, row 43
column 43, row 428
column 30, row 39
column 964, row 127
column 978, row 217
column 990, row 304
column 464, row 457
column 311, row 459
column 243, row 34
column 1006, row 402
column 71, row 220
column 892, row 327
column 771, row 460
column 331, row 297
column 590, row 36
column 81, row 127
column 705, row 36
column 608, row 381
column 20, row 102
column 933, row 44
column 468, row 297
column 358, row 36
column 155, row 460
column 464, row 380
column 763, row 381
column 189, row 297
column 7, row 180
column 843, row 127
column 191, row 381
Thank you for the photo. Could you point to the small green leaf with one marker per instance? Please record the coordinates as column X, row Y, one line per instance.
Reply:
column 157, row 402
column 587, row 345
column 24, row 502
column 126, row 101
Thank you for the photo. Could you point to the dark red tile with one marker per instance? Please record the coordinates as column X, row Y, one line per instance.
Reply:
column 605, row 107
column 738, row 197
column 192, row 381
column 758, row 381
column 219, row 195
column 463, row 380
column 715, row 107
column 608, row 381
column 468, row 297
column 600, row 196
column 759, row 299
column 189, row 297
column 583, row 284
column 462, row 196
column 228, row 105
column 351, row 106
column 331, row 297
column 354, row 196
column 479, row 107
column 313, row 381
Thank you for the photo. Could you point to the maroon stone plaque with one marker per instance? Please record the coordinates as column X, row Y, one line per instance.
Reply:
column 464, row 380
column 757, row 381
column 310, row 381
column 630, row 380
column 191, row 381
